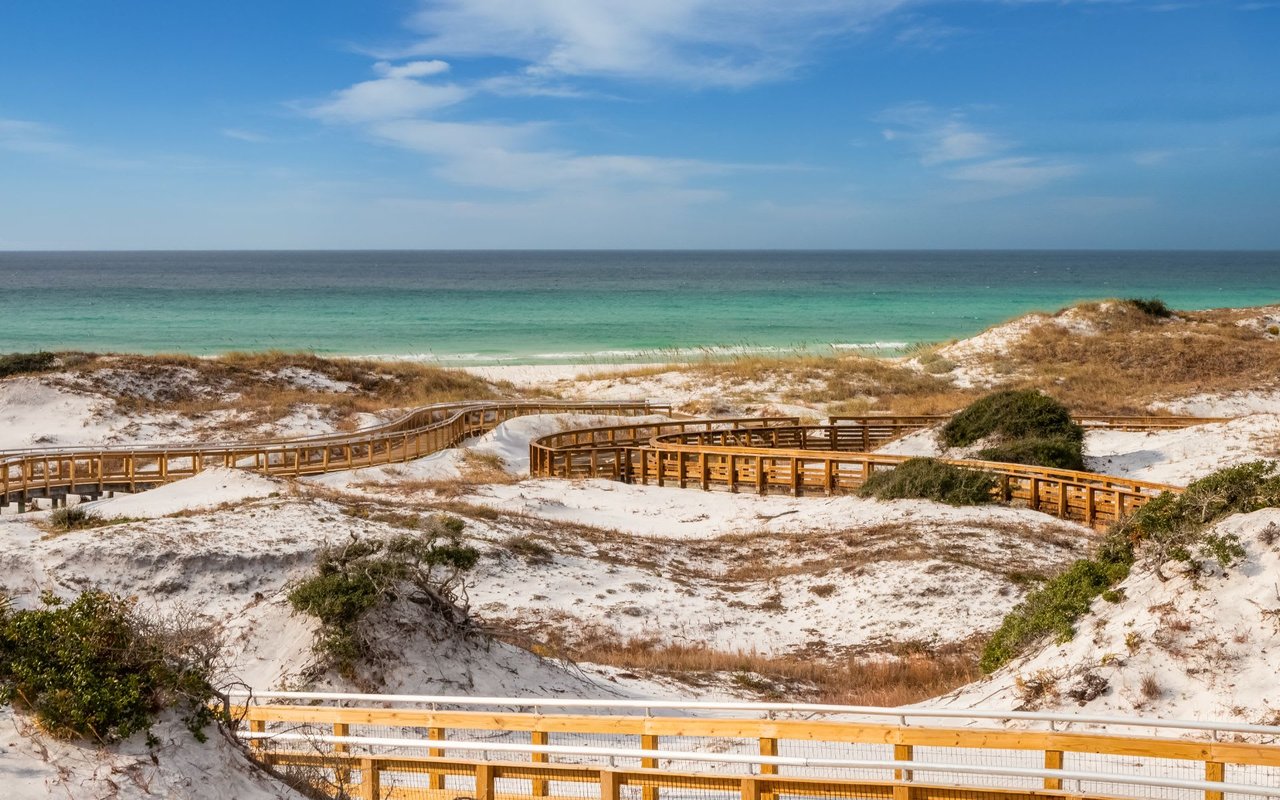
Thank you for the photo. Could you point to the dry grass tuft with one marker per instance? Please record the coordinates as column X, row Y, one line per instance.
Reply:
column 262, row 387
column 911, row 674
column 1132, row 359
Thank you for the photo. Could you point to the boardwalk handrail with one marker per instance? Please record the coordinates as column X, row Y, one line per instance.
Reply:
column 826, row 459
column 902, row 713
column 835, row 754
column 775, row 761
column 94, row 470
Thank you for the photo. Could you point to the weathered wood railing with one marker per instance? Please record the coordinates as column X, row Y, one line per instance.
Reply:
column 814, row 459
column 94, row 471
column 430, row 752
column 1092, row 421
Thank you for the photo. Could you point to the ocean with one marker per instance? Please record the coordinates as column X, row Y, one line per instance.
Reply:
column 515, row 307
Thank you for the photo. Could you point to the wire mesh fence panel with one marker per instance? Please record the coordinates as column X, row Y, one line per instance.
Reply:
column 979, row 757
column 844, row 751
column 1250, row 775
column 1135, row 766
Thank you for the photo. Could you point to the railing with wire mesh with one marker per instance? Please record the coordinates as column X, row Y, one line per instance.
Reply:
column 505, row 747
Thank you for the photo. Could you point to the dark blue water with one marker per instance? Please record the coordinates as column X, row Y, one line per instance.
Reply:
column 511, row 306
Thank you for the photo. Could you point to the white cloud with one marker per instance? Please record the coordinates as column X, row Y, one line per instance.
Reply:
column 1016, row 173
column 938, row 137
column 23, row 136
column 242, row 135
column 508, row 157
column 412, row 69
column 698, row 42
column 387, row 98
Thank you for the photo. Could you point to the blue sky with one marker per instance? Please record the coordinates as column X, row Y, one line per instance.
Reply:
column 621, row 123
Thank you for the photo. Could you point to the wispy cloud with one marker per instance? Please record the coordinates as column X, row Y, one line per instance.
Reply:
column 395, row 95
column 239, row 134
column 727, row 43
column 949, row 142
column 937, row 137
column 36, row 138
column 1015, row 173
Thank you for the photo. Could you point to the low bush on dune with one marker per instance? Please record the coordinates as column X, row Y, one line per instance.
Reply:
column 19, row 363
column 930, row 479
column 1053, row 453
column 1010, row 415
column 1152, row 307
column 1022, row 426
column 1171, row 527
column 98, row 668
column 354, row 579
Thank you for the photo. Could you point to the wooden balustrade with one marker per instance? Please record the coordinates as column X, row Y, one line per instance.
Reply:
column 94, row 471
column 416, row 770
column 812, row 459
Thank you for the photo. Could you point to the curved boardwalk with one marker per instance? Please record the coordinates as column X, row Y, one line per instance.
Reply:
column 758, row 454
column 784, row 456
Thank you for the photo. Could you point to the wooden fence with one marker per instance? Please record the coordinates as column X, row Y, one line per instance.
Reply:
column 92, row 472
column 812, row 459
column 406, row 753
column 1096, row 421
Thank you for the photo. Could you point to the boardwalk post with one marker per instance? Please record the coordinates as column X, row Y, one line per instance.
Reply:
column 370, row 781
column 435, row 779
column 768, row 747
column 649, row 742
column 1215, row 771
column 1053, row 759
column 902, row 777
column 610, row 785
column 538, row 787
column 484, row 782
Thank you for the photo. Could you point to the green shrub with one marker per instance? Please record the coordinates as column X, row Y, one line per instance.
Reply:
column 364, row 574
column 70, row 518
column 1174, row 526
column 1055, row 453
column 1054, row 608
column 1152, row 307
column 18, row 363
column 99, row 669
column 1009, row 415
column 1169, row 527
column 930, row 479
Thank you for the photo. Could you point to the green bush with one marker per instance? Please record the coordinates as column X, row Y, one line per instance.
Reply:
column 98, row 669
column 18, row 363
column 1054, row 453
column 1152, row 307
column 354, row 579
column 1054, row 608
column 930, row 479
column 1009, row 415
column 1168, row 527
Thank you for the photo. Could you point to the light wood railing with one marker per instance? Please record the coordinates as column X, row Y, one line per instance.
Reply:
column 371, row 752
column 94, row 471
column 825, row 459
column 1091, row 421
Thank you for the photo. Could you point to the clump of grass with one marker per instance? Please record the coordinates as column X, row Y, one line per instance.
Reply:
column 354, row 579
column 70, row 518
column 97, row 668
column 21, row 363
column 930, row 479
column 899, row 678
column 1169, row 527
column 1152, row 307
column 528, row 548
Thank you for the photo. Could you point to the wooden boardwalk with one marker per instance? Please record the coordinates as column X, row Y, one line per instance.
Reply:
column 757, row 454
column 91, row 472
column 494, row 748
column 780, row 455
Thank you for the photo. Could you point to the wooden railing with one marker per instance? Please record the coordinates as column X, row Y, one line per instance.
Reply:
column 93, row 471
column 375, row 752
column 1092, row 421
column 814, row 459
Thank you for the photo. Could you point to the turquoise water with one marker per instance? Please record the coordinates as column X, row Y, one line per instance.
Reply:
column 561, row 307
